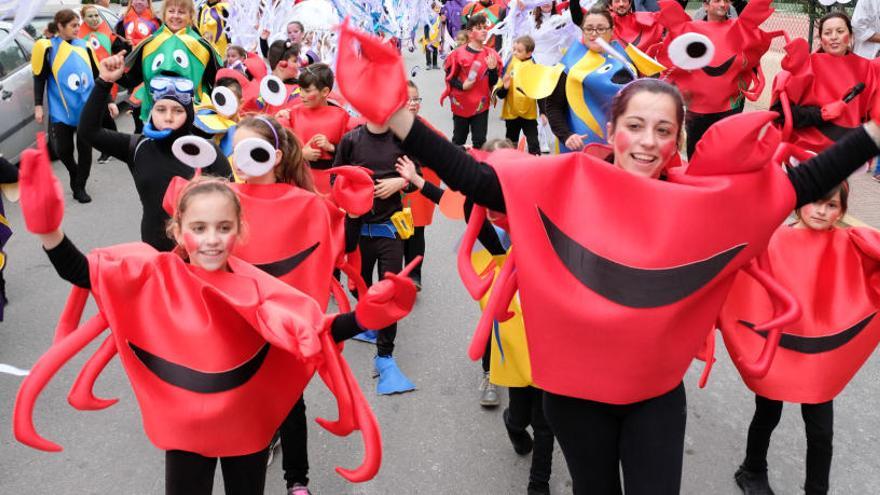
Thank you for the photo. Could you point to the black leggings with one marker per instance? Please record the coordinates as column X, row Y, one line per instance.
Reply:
column 63, row 140
column 477, row 126
column 819, row 423
column 645, row 438
column 138, row 123
column 529, row 127
column 412, row 247
column 188, row 473
column 526, row 408
column 295, row 445
column 387, row 254
column 431, row 55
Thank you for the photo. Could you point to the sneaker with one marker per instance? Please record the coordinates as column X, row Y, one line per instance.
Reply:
column 521, row 440
column 273, row 447
column 752, row 483
column 82, row 196
column 489, row 398
column 298, row 489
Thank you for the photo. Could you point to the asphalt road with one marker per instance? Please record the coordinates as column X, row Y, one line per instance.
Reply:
column 437, row 440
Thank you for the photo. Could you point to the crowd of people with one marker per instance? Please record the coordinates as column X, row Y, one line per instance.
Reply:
column 619, row 108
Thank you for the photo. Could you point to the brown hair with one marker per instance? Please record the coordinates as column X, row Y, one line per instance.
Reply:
column 476, row 20
column 318, row 75
column 834, row 15
column 527, row 42
column 62, row 18
column 186, row 4
column 498, row 144
column 87, row 7
column 621, row 100
column 199, row 186
column 539, row 17
column 282, row 50
column 601, row 10
column 842, row 188
column 237, row 49
column 293, row 169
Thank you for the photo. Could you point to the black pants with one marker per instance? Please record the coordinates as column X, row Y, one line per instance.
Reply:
column 431, row 55
column 295, row 445
column 477, row 126
column 188, row 473
column 645, row 438
column 528, row 127
column 138, row 123
column 412, row 247
column 819, row 423
column 696, row 124
column 526, row 408
column 79, row 168
column 388, row 255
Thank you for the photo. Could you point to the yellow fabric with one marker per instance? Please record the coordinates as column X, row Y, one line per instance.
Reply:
column 517, row 104
column 403, row 222
column 433, row 38
column 515, row 370
column 537, row 81
column 153, row 44
column 209, row 27
column 645, row 64
column 38, row 55
column 574, row 89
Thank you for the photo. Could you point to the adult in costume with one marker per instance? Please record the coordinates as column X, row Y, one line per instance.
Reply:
column 64, row 68
column 266, row 337
column 494, row 10
column 174, row 49
column 832, row 271
column 615, row 398
column 714, row 63
column 453, row 11
column 640, row 29
column 211, row 23
column 826, row 93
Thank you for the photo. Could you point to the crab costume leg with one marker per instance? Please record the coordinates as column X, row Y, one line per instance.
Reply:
column 72, row 313
column 43, row 371
column 340, row 296
column 505, row 288
column 476, row 285
column 333, row 376
column 82, row 394
column 786, row 311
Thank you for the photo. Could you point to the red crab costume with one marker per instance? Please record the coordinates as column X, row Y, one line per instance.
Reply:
column 818, row 79
column 714, row 63
column 834, row 275
column 653, row 289
column 458, row 65
column 640, row 29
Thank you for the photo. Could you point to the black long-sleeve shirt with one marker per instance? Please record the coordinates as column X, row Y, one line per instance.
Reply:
column 811, row 180
column 151, row 163
column 73, row 266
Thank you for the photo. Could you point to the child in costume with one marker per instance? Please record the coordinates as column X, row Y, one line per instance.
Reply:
column 137, row 24
column 494, row 10
column 317, row 123
column 519, row 112
column 235, row 57
column 197, row 416
column 832, row 271
column 64, row 69
column 295, row 34
column 615, row 399
column 471, row 70
column 282, row 91
column 432, row 38
column 175, row 49
column 149, row 156
column 827, row 92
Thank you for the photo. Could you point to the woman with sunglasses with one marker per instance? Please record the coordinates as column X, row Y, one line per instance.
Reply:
column 149, row 156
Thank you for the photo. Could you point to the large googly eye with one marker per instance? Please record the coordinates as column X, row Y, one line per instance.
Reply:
column 74, row 82
column 94, row 43
column 605, row 68
column 254, row 156
column 158, row 61
column 143, row 29
column 86, row 80
column 273, row 91
column 224, row 101
column 129, row 29
column 691, row 51
column 194, row 151
column 181, row 58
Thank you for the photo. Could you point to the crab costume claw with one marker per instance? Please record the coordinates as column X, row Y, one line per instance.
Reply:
column 786, row 311
column 786, row 151
column 43, row 371
column 333, row 376
column 354, row 274
column 82, row 396
column 707, row 354
column 476, row 285
column 353, row 189
column 499, row 300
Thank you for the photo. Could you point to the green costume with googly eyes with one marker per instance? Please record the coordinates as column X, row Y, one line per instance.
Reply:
column 183, row 53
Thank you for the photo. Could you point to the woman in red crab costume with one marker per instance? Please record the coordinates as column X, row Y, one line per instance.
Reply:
column 640, row 29
column 826, row 93
column 833, row 272
column 615, row 313
column 714, row 63
column 176, row 317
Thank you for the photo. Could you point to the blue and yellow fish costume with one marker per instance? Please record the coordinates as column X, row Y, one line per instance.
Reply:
column 211, row 23
column 69, row 68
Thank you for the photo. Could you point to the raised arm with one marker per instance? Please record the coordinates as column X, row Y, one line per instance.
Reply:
column 117, row 144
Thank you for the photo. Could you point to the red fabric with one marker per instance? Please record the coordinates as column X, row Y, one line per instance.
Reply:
column 834, row 275
column 353, row 189
column 819, row 79
column 387, row 301
column 136, row 25
column 584, row 344
column 458, row 65
column 638, row 28
column 42, row 198
column 229, row 316
column 740, row 39
column 422, row 207
column 372, row 77
column 329, row 120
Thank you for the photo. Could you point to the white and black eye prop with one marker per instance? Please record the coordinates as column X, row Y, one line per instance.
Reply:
column 158, row 61
column 273, row 90
column 181, row 58
column 691, row 51
column 194, row 151
column 254, row 156
column 95, row 43
column 224, row 101
column 74, row 82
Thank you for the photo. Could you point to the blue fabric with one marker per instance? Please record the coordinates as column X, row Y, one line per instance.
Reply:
column 69, row 87
column 384, row 229
column 391, row 379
